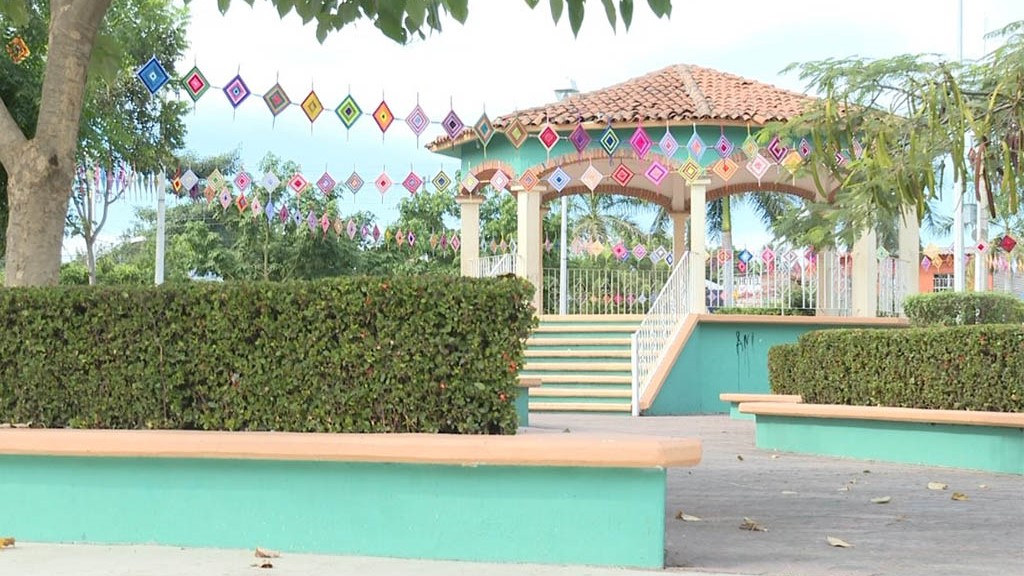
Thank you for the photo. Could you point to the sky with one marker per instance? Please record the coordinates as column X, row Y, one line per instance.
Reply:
column 505, row 57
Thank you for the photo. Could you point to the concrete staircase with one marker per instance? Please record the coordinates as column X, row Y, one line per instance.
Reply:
column 583, row 363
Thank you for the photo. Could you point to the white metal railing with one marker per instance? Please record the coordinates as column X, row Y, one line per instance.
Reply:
column 605, row 291
column 661, row 322
column 793, row 281
column 499, row 265
column 892, row 285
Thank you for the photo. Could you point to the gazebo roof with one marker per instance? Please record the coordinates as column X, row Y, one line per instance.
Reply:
column 679, row 94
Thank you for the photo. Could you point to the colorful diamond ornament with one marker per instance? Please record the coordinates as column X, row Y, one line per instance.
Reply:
column 417, row 121
column 236, row 91
column 326, row 184
column 559, row 179
column 412, row 182
column 17, row 50
column 442, row 181
column 641, row 142
column 609, row 141
column 383, row 117
column 312, row 106
column 591, row 178
column 453, row 125
column 152, row 74
column 484, row 129
column 516, row 133
column 579, row 138
column 548, row 137
column 348, row 111
column 195, row 84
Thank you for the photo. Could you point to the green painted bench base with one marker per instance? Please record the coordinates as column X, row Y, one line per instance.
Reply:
column 528, row 514
column 989, row 448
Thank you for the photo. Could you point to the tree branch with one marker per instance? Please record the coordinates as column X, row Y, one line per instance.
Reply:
column 12, row 139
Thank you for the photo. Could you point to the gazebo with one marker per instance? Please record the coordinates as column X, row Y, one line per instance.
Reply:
column 678, row 137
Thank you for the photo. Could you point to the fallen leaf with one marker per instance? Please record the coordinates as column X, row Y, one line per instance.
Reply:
column 566, row 431
column 687, row 517
column 867, row 471
column 789, row 493
column 959, row 496
column 937, row 486
column 263, row 563
column 881, row 500
column 844, row 489
column 267, row 553
column 739, row 457
column 753, row 526
column 775, row 456
column 983, row 486
column 853, row 480
column 22, row 424
column 833, row 541
column 6, row 542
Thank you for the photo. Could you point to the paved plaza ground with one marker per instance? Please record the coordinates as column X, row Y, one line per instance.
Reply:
column 800, row 500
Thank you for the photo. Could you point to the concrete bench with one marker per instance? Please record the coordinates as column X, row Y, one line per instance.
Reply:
column 735, row 398
column 991, row 441
column 539, row 498
column 523, row 398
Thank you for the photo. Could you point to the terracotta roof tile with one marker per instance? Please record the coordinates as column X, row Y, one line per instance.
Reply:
column 681, row 93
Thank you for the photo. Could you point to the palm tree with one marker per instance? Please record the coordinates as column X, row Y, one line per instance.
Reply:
column 602, row 218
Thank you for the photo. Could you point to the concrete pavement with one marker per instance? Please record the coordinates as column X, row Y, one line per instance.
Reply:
column 800, row 500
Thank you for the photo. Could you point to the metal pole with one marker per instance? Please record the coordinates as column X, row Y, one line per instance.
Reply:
column 160, row 228
column 959, row 277
column 563, row 261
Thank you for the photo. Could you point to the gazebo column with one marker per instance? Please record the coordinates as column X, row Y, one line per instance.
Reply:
column 864, row 292
column 528, row 241
column 678, row 234
column 910, row 252
column 698, row 233
column 469, row 254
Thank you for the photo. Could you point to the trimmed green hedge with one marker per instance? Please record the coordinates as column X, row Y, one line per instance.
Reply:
column 958, row 368
column 409, row 354
column 961, row 308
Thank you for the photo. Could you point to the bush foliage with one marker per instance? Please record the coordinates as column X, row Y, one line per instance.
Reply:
column 963, row 308
column 409, row 354
column 957, row 368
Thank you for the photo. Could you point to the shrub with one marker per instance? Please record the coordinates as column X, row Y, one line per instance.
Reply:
column 410, row 354
column 961, row 308
column 958, row 368
column 781, row 363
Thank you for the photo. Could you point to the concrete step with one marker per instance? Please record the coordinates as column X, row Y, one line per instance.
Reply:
column 580, row 392
column 577, row 367
column 582, row 340
column 540, row 353
column 579, row 407
column 582, row 380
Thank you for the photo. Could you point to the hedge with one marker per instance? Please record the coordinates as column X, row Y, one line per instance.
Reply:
column 409, row 354
column 958, row 368
column 960, row 308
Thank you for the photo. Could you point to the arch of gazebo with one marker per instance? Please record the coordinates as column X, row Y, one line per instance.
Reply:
column 713, row 105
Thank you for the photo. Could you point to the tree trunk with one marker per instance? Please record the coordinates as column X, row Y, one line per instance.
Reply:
column 38, row 191
column 41, row 170
column 90, row 258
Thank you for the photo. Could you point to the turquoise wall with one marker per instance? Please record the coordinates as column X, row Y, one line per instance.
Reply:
column 597, row 516
column 722, row 357
column 533, row 153
column 990, row 448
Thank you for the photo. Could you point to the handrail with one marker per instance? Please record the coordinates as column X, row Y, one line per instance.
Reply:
column 651, row 339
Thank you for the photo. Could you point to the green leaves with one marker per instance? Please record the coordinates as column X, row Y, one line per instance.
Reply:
column 370, row 354
column 978, row 367
column 15, row 10
column 556, row 10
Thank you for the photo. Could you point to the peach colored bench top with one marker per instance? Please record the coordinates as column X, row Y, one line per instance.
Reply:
column 962, row 417
column 573, row 450
column 743, row 397
column 529, row 382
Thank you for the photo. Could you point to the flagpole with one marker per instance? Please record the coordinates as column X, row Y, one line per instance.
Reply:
column 959, row 278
